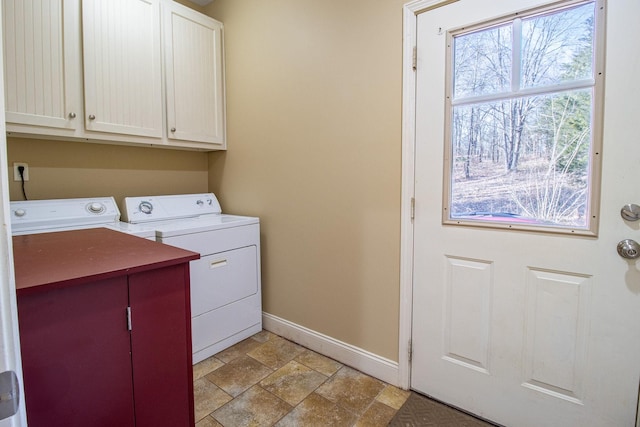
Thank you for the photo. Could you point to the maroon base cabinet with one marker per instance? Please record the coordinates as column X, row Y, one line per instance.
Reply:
column 75, row 353
column 83, row 366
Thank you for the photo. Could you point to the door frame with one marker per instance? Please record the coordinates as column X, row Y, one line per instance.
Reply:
column 410, row 14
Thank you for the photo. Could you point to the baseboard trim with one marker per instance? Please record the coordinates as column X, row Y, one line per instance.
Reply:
column 357, row 358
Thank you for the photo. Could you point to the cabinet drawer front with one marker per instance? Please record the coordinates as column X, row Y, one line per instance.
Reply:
column 222, row 278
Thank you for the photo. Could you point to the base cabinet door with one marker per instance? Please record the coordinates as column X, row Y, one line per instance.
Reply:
column 161, row 347
column 75, row 356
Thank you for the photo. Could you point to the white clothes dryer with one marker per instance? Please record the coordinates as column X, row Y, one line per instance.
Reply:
column 226, row 295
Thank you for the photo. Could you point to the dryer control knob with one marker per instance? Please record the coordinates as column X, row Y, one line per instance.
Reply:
column 20, row 212
column 200, row 203
column 145, row 207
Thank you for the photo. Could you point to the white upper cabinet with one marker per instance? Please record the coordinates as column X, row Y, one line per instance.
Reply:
column 122, row 66
column 94, row 70
column 41, row 70
column 194, row 76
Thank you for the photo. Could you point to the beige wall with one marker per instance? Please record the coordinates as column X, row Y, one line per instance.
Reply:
column 77, row 169
column 314, row 137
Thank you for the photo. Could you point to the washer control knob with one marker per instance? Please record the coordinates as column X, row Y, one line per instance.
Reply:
column 20, row 213
column 96, row 207
column 200, row 203
column 145, row 207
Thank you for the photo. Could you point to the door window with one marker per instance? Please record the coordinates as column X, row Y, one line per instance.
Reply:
column 523, row 121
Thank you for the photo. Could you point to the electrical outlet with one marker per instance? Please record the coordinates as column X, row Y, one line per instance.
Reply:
column 16, row 173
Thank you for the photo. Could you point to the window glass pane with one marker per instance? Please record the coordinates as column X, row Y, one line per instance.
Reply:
column 557, row 47
column 523, row 160
column 482, row 62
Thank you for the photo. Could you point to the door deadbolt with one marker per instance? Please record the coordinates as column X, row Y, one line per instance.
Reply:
column 630, row 212
column 629, row 249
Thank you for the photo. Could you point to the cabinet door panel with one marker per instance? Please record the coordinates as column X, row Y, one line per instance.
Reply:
column 161, row 347
column 194, row 73
column 122, row 66
column 41, row 86
column 75, row 356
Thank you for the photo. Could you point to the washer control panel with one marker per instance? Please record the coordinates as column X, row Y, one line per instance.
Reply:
column 33, row 215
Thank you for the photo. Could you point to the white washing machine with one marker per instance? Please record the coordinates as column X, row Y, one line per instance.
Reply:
column 226, row 296
column 44, row 216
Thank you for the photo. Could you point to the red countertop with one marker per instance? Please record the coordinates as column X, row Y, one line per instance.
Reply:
column 50, row 260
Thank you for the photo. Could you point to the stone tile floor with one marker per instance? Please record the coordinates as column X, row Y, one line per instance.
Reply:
column 266, row 380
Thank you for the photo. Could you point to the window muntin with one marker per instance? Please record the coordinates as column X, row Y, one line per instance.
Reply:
column 521, row 128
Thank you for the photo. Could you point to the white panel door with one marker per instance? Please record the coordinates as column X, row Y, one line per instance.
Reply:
column 42, row 84
column 122, row 66
column 195, row 76
column 9, row 334
column 528, row 328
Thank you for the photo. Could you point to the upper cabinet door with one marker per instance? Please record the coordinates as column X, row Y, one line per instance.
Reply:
column 42, row 63
column 122, row 66
column 194, row 76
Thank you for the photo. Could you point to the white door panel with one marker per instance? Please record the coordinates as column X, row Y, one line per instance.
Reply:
column 527, row 328
column 9, row 335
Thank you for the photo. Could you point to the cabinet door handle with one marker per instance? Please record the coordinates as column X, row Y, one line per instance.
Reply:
column 72, row 115
column 173, row 129
column 92, row 117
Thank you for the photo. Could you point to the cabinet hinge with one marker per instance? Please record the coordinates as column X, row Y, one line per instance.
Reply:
column 410, row 350
column 413, row 208
column 414, row 59
column 128, row 318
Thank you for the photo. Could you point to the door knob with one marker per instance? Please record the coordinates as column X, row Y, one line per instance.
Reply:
column 629, row 249
column 630, row 212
